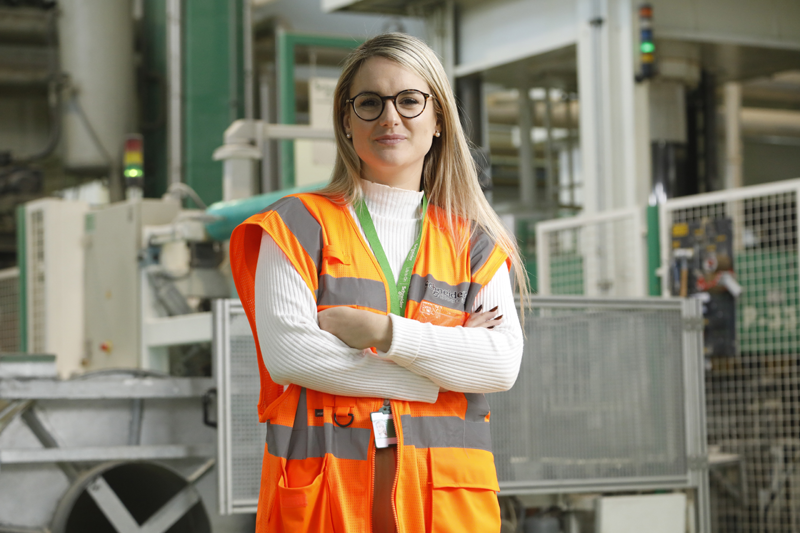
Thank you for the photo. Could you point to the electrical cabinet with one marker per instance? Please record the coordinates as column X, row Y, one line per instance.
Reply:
column 113, row 242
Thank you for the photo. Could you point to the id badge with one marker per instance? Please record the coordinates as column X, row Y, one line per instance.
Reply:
column 383, row 426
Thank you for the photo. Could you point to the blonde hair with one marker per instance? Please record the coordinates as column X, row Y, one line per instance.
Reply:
column 449, row 175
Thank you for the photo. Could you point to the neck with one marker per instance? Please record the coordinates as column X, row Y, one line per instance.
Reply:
column 408, row 178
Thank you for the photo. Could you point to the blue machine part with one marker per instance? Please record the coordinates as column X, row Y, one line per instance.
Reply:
column 230, row 214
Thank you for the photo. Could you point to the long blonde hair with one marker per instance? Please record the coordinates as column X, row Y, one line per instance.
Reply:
column 449, row 175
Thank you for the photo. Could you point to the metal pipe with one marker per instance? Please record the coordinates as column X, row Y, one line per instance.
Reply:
column 570, row 162
column 548, row 124
column 175, row 77
column 733, row 135
column 527, row 176
column 758, row 121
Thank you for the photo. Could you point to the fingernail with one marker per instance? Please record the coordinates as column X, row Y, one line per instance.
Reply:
column 490, row 327
column 494, row 309
column 497, row 318
column 478, row 310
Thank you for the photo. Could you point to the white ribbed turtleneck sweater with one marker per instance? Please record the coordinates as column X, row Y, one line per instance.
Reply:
column 422, row 357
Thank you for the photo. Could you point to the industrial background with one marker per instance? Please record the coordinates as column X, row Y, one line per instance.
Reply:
column 646, row 156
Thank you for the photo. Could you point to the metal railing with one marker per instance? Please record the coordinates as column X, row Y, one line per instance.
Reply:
column 609, row 398
column 592, row 255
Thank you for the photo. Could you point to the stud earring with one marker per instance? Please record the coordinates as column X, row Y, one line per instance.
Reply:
column 347, row 135
column 438, row 134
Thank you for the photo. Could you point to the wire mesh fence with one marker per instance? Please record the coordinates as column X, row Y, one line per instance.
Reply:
column 608, row 398
column 600, row 401
column 753, row 399
column 9, row 310
column 592, row 255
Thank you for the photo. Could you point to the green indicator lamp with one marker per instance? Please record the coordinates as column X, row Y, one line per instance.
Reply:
column 647, row 46
column 133, row 162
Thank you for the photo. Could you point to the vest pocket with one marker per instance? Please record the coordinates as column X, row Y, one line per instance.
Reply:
column 463, row 491
column 305, row 508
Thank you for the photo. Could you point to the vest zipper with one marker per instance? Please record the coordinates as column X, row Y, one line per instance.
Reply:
column 396, row 473
column 372, row 452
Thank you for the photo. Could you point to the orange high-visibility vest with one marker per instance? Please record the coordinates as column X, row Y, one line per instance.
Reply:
column 317, row 473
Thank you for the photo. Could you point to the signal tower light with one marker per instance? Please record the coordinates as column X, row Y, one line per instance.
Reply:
column 647, row 46
column 133, row 160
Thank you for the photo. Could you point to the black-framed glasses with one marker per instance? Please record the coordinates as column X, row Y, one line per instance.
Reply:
column 409, row 104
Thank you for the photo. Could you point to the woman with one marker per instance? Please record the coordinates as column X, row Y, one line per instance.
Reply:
column 371, row 387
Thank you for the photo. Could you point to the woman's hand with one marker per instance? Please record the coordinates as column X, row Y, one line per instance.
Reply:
column 357, row 328
column 487, row 319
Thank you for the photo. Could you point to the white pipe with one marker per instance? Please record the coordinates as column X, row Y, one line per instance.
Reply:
column 175, row 77
column 758, row 121
column 249, row 80
column 733, row 135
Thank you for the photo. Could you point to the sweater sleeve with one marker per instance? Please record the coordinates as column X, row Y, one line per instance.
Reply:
column 464, row 359
column 296, row 350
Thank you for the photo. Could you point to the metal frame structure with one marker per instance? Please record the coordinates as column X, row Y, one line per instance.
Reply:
column 285, row 45
column 238, row 389
column 22, row 398
column 752, row 397
column 621, row 270
column 247, row 390
column 727, row 198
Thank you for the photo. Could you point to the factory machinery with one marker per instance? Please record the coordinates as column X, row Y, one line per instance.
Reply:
column 89, row 440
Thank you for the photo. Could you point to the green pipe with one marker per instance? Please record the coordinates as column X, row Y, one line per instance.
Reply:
column 653, row 251
column 232, row 213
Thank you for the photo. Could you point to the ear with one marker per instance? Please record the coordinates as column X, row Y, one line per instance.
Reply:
column 346, row 122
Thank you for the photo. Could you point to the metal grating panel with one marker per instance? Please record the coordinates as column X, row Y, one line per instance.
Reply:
column 600, row 399
column 36, row 277
column 241, row 436
column 592, row 255
column 608, row 398
column 752, row 399
column 9, row 310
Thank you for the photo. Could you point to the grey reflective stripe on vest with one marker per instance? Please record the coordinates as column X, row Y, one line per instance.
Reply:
column 451, row 431
column 303, row 441
column 302, row 224
column 480, row 248
column 352, row 291
column 438, row 292
column 472, row 293
column 445, row 432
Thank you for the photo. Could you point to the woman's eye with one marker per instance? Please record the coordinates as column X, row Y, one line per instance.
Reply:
column 369, row 102
column 409, row 101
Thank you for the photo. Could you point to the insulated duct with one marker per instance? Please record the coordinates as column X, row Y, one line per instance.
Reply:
column 96, row 47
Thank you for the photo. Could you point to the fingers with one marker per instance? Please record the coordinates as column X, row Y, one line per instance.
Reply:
column 486, row 319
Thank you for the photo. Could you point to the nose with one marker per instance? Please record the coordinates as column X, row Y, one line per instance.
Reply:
column 390, row 114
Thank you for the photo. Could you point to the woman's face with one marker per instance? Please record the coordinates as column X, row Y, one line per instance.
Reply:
column 392, row 148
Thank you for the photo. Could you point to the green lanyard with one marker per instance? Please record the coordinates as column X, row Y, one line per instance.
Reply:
column 398, row 291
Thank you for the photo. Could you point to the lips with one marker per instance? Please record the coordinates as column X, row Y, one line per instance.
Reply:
column 390, row 140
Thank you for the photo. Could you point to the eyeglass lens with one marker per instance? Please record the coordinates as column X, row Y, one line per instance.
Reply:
column 409, row 104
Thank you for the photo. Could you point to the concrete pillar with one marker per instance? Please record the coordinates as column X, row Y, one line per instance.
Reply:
column 609, row 106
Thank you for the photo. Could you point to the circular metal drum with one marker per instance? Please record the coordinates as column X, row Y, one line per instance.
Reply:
column 114, row 496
